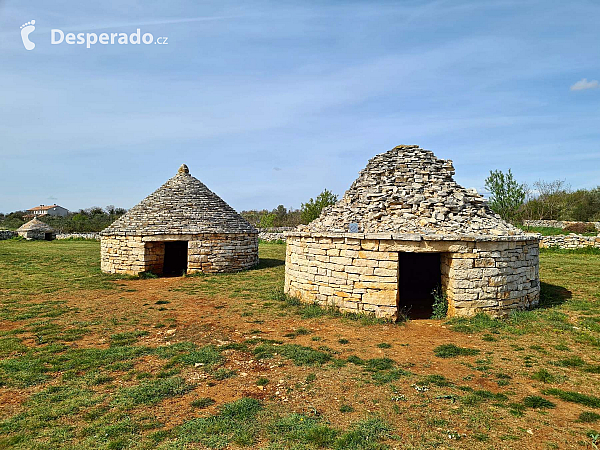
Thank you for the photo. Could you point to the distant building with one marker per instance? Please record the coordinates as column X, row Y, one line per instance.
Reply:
column 36, row 230
column 50, row 210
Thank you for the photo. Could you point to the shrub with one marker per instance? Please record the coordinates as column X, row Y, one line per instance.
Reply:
column 440, row 304
column 581, row 228
column 507, row 195
column 312, row 209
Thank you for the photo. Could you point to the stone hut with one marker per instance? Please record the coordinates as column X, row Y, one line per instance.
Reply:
column 36, row 230
column 403, row 230
column 182, row 227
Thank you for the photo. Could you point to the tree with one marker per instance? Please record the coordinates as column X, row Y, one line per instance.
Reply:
column 507, row 195
column 312, row 209
column 267, row 221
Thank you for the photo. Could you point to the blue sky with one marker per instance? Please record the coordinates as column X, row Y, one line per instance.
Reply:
column 271, row 102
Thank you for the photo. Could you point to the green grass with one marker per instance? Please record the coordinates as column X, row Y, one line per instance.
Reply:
column 28, row 267
column 574, row 397
column 453, row 351
column 589, row 417
column 535, row 401
column 299, row 354
column 202, row 402
column 551, row 231
column 262, row 381
column 544, row 376
column 151, row 392
column 234, row 424
column 301, row 431
column 93, row 378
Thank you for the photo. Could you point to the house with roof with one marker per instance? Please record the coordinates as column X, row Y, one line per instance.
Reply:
column 36, row 230
column 182, row 227
column 47, row 210
column 405, row 233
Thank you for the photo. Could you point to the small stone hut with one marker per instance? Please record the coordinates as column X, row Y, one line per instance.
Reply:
column 36, row 230
column 404, row 230
column 182, row 227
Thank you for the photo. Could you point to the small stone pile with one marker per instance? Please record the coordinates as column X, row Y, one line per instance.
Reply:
column 409, row 190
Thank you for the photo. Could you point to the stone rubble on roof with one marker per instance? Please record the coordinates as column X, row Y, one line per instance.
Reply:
column 183, row 205
column 409, row 190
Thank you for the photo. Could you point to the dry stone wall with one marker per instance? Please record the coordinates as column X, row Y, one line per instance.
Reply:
column 208, row 253
column 570, row 241
column 359, row 273
column 7, row 234
column 94, row 236
column 273, row 234
column 555, row 223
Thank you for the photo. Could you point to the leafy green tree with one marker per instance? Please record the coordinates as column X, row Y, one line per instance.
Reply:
column 267, row 221
column 507, row 195
column 312, row 209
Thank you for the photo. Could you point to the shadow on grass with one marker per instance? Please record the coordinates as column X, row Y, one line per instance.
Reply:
column 553, row 295
column 267, row 263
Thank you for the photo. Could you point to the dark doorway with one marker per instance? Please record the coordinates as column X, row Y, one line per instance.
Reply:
column 48, row 236
column 418, row 275
column 175, row 263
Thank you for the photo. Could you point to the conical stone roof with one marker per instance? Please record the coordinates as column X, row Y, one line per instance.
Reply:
column 36, row 225
column 409, row 190
column 183, row 205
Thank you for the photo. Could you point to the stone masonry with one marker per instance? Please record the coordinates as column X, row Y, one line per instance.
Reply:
column 406, row 200
column 359, row 272
column 183, row 209
column 36, row 230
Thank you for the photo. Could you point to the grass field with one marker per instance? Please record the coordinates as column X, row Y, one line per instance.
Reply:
column 90, row 360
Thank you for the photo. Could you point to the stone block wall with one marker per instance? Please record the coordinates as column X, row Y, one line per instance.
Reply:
column 208, row 253
column 222, row 253
column 570, row 241
column 359, row 273
column 7, row 234
column 94, row 236
column 122, row 254
column 35, row 235
column 555, row 223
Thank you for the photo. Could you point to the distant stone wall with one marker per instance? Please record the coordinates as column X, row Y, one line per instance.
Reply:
column 7, row 234
column 208, row 253
column 95, row 236
column 360, row 274
column 273, row 234
column 555, row 223
column 570, row 241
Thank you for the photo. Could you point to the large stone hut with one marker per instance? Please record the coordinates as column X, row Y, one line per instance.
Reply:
column 404, row 229
column 36, row 230
column 181, row 227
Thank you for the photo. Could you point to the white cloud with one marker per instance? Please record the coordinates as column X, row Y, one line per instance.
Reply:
column 584, row 84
